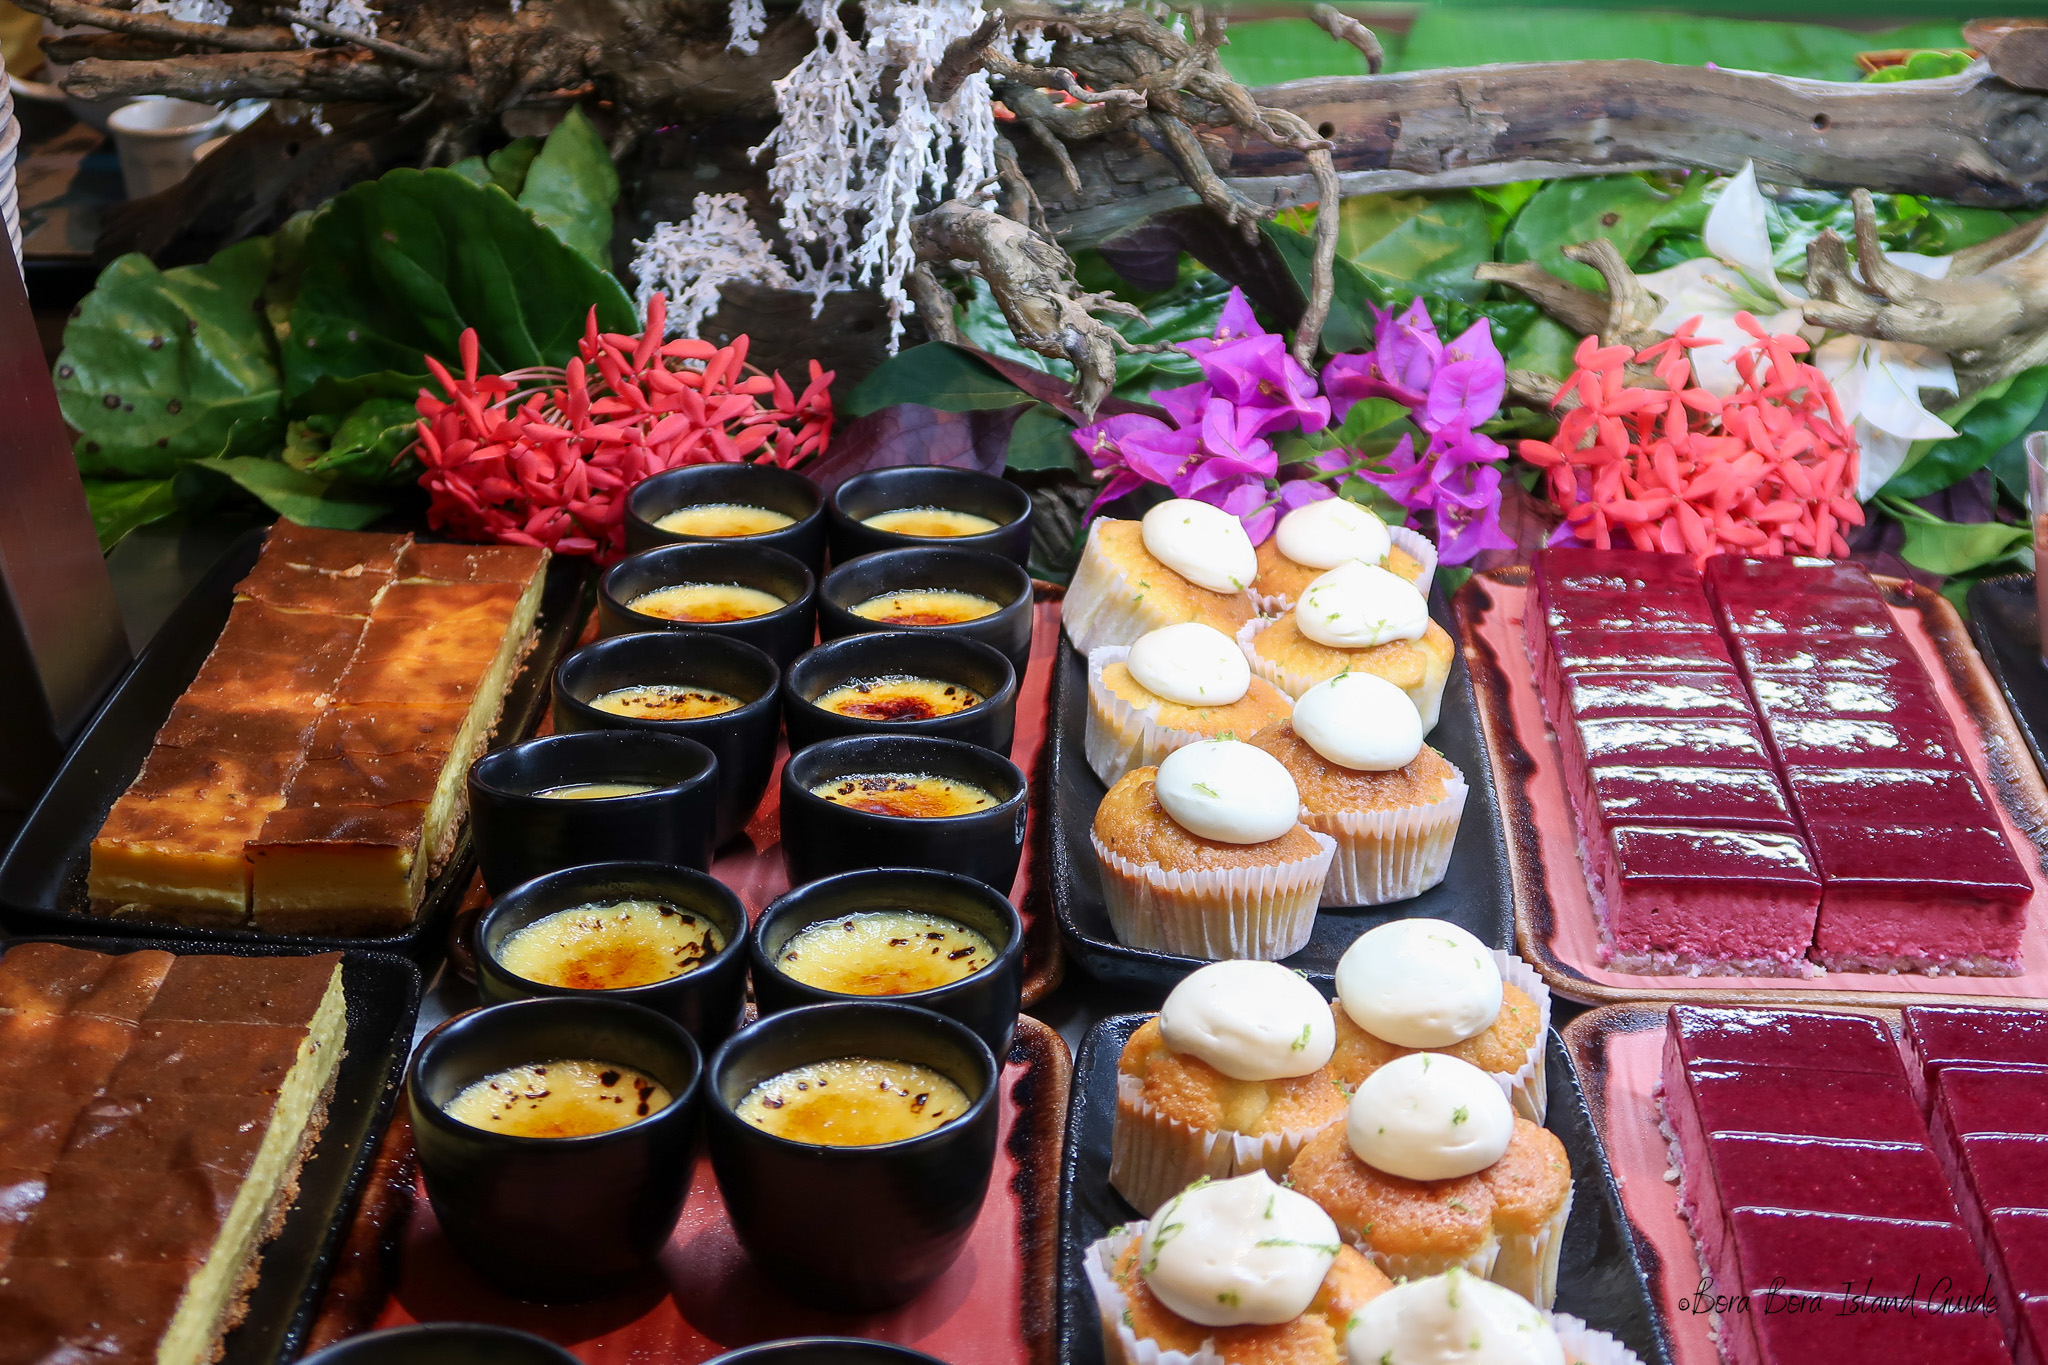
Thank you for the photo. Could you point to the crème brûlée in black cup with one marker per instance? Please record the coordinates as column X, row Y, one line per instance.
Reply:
column 598, row 796
column 743, row 504
column 746, row 592
column 554, row 1139
column 918, row 801
column 853, row 1145
column 893, row 509
column 443, row 1343
column 723, row 693
column 669, row 938
column 901, row 683
column 937, row 940
column 933, row 591
column 825, row 1351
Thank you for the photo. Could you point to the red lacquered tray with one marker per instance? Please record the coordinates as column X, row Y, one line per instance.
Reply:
column 1555, row 924
column 994, row 1307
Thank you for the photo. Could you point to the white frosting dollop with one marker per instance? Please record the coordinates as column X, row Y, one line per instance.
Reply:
column 1356, row 606
column 1428, row 1116
column 1252, row 1021
column 1205, row 545
column 1192, row 664
column 1238, row 1251
column 1451, row 1319
column 1419, row 983
column 1229, row 791
column 1360, row 721
column 1334, row 531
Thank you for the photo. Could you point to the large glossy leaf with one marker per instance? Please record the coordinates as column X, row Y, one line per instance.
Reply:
column 1043, row 439
column 1189, row 309
column 1985, row 422
column 913, row 434
column 164, row 366
column 571, row 187
column 1349, row 327
column 397, row 267
column 120, row 505
column 935, row 375
column 1418, row 243
column 1949, row 547
column 364, row 445
column 1453, row 35
column 1269, row 51
column 306, row 498
column 1625, row 209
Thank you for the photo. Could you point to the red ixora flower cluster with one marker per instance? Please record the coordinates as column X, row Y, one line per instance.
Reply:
column 548, row 457
column 1768, row 470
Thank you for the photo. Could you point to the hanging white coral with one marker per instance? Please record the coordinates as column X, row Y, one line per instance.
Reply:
column 838, row 162
column 748, row 18
column 689, row 261
column 190, row 11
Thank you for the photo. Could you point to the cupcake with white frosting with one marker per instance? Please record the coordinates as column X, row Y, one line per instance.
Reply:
column 1175, row 686
column 1231, row 1076
column 1206, row 856
column 1426, row 985
column 1312, row 540
column 1237, row 1270
column 1453, row 1319
column 1186, row 561
column 1433, row 1169
column 1353, row 746
column 1357, row 618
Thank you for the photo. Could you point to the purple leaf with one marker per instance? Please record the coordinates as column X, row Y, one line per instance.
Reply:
column 912, row 434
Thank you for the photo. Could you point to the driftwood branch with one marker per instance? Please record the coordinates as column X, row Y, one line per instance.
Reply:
column 220, row 78
column 1346, row 29
column 229, row 38
column 382, row 46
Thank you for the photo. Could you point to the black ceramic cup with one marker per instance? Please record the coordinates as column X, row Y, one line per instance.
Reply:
column 521, row 834
column 744, row 740
column 748, row 485
column 949, row 659
column 991, row 576
column 705, row 1000
column 556, row 1219
column 852, row 1228
column 986, row 1002
column 820, row 837
column 782, row 634
column 955, row 490
column 450, row 1343
column 824, row 1351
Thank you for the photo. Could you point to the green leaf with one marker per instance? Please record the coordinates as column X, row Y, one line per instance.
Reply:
column 1269, row 51
column 571, row 186
column 1545, row 347
column 1042, row 439
column 1372, row 497
column 305, row 498
column 1503, row 202
column 1350, row 324
column 164, row 366
column 1453, row 35
column 935, row 375
column 1625, row 209
column 1190, row 309
column 398, row 267
column 1418, row 243
column 367, row 445
column 287, row 267
column 1922, row 66
column 120, row 505
column 507, row 167
column 1947, row 547
column 1367, row 416
column 1985, row 423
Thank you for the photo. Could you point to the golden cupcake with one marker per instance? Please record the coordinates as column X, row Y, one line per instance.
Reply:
column 1237, row 1272
column 1355, row 619
column 1454, row 1319
column 1353, row 746
column 1432, row 1169
column 1426, row 985
column 1312, row 540
column 1205, row 855
column 1186, row 561
column 1230, row 1077
column 1175, row 686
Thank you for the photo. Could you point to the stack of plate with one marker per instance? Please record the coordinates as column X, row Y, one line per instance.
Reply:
column 10, row 142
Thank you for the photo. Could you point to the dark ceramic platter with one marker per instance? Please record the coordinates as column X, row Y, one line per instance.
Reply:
column 2006, row 623
column 42, row 880
column 1597, row 1278
column 383, row 994
column 1476, row 894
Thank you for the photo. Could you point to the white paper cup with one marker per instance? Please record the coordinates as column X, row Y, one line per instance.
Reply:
column 156, row 137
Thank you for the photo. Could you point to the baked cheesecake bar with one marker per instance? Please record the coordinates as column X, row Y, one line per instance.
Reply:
column 137, row 1190
column 1807, row 1175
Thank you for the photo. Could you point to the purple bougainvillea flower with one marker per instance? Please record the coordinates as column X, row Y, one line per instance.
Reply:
column 1407, row 348
column 1231, row 433
column 1235, row 324
column 1467, row 387
column 1184, row 405
column 1258, row 375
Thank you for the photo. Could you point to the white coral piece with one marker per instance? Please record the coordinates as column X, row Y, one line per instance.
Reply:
column 689, row 261
column 190, row 11
column 748, row 18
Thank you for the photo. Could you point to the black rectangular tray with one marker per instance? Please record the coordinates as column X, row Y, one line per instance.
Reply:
column 2005, row 620
column 383, row 994
column 1476, row 894
column 42, row 879
column 1597, row 1276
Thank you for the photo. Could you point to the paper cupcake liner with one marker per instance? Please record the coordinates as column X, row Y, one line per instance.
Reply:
column 1414, row 544
column 1120, row 737
column 1102, row 607
column 1418, row 1266
column 1428, row 695
column 1121, row 1345
column 1153, row 1157
column 1218, row 913
column 1585, row 1345
column 1528, row 1261
column 1527, row 1087
column 1390, row 855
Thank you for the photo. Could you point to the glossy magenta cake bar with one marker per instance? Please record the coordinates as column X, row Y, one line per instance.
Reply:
column 1714, row 798
column 1675, row 899
column 1812, row 1329
column 1918, row 898
column 1802, row 1039
column 1939, row 1036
